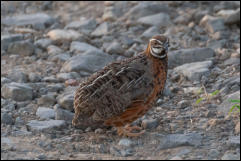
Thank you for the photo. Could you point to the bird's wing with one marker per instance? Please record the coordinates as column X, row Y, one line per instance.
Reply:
column 115, row 88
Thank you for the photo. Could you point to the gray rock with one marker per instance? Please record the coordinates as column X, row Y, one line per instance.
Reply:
column 43, row 43
column 212, row 24
column 57, row 87
column 121, row 152
column 66, row 76
column 176, row 140
column 184, row 56
column 226, row 105
column 101, row 30
column 194, row 71
column 234, row 141
column 45, row 113
column 150, row 32
column 150, row 123
column 66, row 101
column 18, row 76
column 159, row 20
column 6, row 118
column 182, row 104
column 109, row 14
column 47, row 100
column 39, row 126
column 50, row 79
column 125, row 142
column 230, row 16
column 115, row 48
column 146, row 8
column 23, row 48
column 53, row 50
column 213, row 153
column 33, row 77
column 17, row 91
column 214, row 44
column 63, row 35
column 38, row 21
column 5, row 80
column 81, row 47
column 60, row 57
column 61, row 114
column 89, row 62
column 230, row 156
column 232, row 61
column 8, row 39
column 19, row 121
column 84, row 25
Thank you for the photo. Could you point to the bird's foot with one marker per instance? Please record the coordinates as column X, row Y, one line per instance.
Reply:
column 71, row 82
column 127, row 131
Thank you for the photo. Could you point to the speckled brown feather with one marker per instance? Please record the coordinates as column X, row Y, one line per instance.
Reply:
column 121, row 92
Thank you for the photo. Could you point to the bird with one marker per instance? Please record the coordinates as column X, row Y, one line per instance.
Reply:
column 123, row 91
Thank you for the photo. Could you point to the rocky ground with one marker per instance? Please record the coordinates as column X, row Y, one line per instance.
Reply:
column 43, row 44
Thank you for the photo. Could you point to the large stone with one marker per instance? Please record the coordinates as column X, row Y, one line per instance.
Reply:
column 212, row 24
column 101, row 30
column 63, row 35
column 230, row 16
column 10, row 38
column 18, row 76
column 39, row 126
column 159, row 20
column 226, row 105
column 146, row 8
column 88, row 62
column 150, row 32
column 45, row 113
column 115, row 48
column 84, row 25
column 37, row 20
column 194, row 71
column 23, row 48
column 80, row 47
column 61, row 114
column 17, row 91
column 176, row 140
column 66, row 101
column 183, row 56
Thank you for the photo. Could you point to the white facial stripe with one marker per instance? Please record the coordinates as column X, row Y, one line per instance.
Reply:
column 157, row 50
column 153, row 53
column 156, row 40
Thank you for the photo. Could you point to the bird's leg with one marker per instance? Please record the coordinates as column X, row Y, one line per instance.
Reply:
column 127, row 131
column 71, row 82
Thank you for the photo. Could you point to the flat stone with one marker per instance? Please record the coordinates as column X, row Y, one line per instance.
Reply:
column 8, row 39
column 156, row 20
column 17, row 91
column 81, row 47
column 232, row 61
column 101, row 30
column 61, row 114
column 43, row 43
column 150, row 32
column 53, row 50
column 45, row 113
column 149, row 124
column 125, row 142
column 194, row 71
column 143, row 9
column 23, row 48
column 66, row 101
column 183, row 56
column 63, row 35
column 18, row 76
column 226, row 105
column 6, row 118
column 47, row 100
column 176, row 140
column 38, row 21
column 66, row 76
column 230, row 16
column 212, row 24
column 88, row 62
column 60, row 57
column 39, row 126
column 115, row 48
column 234, row 141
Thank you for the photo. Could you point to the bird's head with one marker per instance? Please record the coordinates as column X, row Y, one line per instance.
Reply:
column 158, row 46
